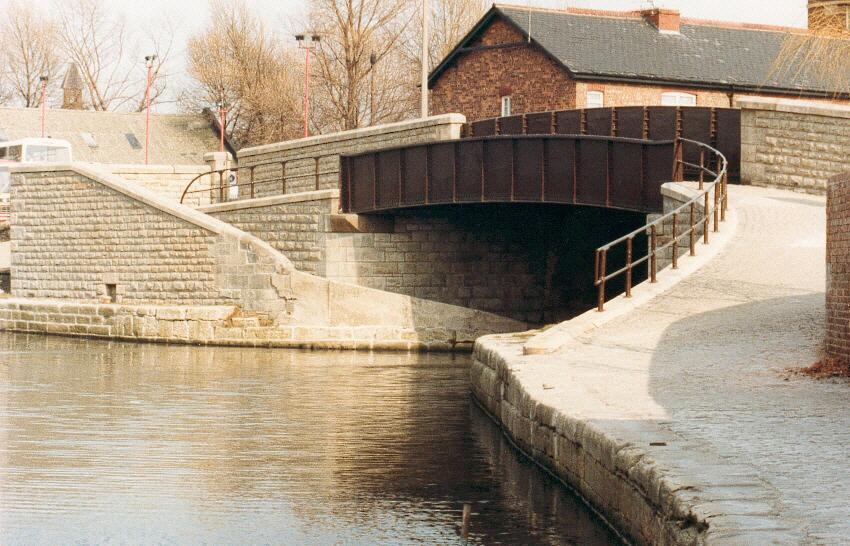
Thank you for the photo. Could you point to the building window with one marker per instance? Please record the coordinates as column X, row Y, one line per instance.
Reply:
column 506, row 105
column 595, row 99
column 678, row 99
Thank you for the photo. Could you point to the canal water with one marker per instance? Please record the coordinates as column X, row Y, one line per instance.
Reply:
column 117, row 443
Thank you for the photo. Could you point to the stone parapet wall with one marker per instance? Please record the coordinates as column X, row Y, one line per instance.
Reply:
column 294, row 224
column 167, row 181
column 838, row 268
column 301, row 154
column 793, row 144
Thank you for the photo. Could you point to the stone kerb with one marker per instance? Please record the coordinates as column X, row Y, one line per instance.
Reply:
column 792, row 144
column 300, row 171
column 274, row 304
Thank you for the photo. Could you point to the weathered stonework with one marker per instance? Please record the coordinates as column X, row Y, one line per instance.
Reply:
column 792, row 144
column 167, row 180
column 85, row 236
column 300, row 173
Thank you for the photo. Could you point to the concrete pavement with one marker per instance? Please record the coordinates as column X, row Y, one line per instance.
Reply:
column 696, row 379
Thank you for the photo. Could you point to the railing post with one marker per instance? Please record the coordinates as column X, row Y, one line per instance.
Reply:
column 717, row 206
column 653, row 245
column 705, row 219
column 701, row 167
column 675, row 241
column 317, row 172
column 251, row 174
column 283, row 177
column 221, row 186
column 693, row 233
column 724, row 200
column 629, row 267
column 600, row 304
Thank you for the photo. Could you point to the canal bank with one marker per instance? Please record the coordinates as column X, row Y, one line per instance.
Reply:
column 677, row 418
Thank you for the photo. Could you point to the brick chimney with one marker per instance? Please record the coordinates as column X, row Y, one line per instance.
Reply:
column 664, row 19
column 832, row 16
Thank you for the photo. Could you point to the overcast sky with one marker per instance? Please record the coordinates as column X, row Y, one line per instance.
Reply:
column 284, row 16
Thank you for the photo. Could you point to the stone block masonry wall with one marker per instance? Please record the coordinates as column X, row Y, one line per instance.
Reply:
column 838, row 268
column 84, row 238
column 168, row 181
column 793, row 144
column 300, row 155
column 294, row 224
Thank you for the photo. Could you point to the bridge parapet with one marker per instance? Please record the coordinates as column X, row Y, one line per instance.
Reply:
column 565, row 169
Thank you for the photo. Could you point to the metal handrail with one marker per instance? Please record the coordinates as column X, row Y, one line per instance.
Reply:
column 223, row 188
column 717, row 212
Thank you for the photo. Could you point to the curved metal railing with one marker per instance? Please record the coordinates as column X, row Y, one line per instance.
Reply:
column 712, row 209
column 222, row 190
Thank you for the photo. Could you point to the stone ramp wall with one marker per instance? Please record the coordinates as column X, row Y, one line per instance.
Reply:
column 300, row 153
column 168, row 181
column 792, row 144
column 77, row 232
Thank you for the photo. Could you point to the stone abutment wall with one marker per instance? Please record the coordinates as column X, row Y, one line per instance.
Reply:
column 793, row 144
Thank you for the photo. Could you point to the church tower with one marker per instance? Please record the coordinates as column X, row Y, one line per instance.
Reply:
column 72, row 88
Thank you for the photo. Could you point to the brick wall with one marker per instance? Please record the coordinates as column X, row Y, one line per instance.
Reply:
column 838, row 268
column 475, row 84
column 622, row 94
column 793, row 144
column 300, row 175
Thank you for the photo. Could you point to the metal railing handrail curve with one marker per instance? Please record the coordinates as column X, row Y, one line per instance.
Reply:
column 712, row 210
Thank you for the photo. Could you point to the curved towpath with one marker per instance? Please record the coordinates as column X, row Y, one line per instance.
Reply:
column 761, row 454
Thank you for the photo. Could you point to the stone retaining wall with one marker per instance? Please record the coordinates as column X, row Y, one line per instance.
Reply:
column 614, row 477
column 84, row 237
column 793, row 144
column 167, row 181
column 838, row 268
column 300, row 154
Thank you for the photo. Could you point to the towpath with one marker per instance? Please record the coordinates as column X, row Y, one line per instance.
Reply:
column 703, row 369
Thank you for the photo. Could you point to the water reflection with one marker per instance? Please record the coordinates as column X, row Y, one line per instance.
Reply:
column 122, row 443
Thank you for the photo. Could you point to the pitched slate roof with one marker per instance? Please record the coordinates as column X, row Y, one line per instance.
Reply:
column 624, row 47
column 176, row 139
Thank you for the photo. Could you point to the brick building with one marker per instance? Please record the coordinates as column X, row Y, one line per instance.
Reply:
column 519, row 60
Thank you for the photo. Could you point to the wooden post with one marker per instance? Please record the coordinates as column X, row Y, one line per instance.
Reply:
column 653, row 244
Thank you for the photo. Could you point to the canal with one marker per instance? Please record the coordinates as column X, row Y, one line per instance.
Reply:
column 104, row 442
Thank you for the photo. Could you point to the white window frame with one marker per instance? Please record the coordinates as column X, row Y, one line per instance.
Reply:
column 676, row 98
column 506, row 105
column 595, row 99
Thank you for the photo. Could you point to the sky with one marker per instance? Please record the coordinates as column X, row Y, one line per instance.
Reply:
column 286, row 16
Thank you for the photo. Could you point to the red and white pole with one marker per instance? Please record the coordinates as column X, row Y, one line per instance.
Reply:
column 43, row 103
column 307, row 41
column 149, row 64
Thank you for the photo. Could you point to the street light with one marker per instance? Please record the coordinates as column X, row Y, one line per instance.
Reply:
column 149, row 64
column 43, row 80
column 307, row 42
column 222, row 112
column 372, row 60
column 424, row 81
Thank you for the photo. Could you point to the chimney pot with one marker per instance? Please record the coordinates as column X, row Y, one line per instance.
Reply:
column 664, row 19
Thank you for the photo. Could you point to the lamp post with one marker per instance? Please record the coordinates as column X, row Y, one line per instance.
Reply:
column 424, row 83
column 372, row 60
column 149, row 64
column 43, row 80
column 222, row 112
column 307, row 42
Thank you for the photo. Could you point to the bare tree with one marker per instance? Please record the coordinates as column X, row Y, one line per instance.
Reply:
column 236, row 61
column 28, row 43
column 109, row 61
column 354, row 33
column 818, row 54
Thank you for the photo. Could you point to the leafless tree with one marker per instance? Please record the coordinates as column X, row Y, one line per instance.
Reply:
column 238, row 62
column 109, row 61
column 819, row 54
column 355, row 33
column 28, row 43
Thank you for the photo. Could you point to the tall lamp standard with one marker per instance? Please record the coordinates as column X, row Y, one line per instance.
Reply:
column 307, row 42
column 372, row 60
column 43, row 80
column 149, row 64
column 222, row 112
column 424, row 82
